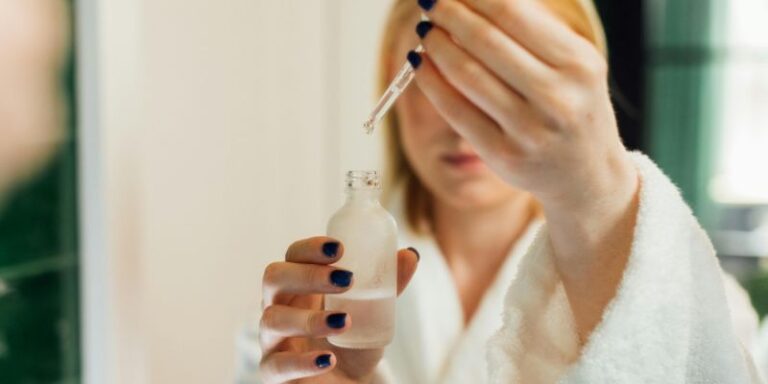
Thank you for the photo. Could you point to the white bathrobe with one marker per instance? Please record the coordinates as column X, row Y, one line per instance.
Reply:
column 669, row 323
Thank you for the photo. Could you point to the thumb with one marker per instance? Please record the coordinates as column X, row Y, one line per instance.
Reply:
column 407, row 260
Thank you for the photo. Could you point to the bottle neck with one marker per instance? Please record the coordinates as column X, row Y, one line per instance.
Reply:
column 363, row 195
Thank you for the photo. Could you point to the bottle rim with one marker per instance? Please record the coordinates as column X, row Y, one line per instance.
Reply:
column 363, row 179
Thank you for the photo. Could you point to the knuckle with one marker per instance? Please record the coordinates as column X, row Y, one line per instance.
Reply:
column 548, row 91
column 293, row 248
column 312, row 323
column 571, row 61
column 557, row 106
column 315, row 275
column 542, row 146
column 271, row 274
column 530, row 145
column 471, row 71
column 268, row 319
column 592, row 68
column 567, row 113
column 490, row 40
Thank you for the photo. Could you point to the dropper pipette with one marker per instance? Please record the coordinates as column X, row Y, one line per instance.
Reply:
column 395, row 89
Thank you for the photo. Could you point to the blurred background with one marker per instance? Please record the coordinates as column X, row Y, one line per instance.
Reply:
column 200, row 138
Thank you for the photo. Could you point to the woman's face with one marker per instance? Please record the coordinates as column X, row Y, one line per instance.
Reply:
column 446, row 164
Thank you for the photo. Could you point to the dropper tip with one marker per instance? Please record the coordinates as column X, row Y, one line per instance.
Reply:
column 368, row 126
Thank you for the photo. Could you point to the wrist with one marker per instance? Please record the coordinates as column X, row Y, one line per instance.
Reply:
column 587, row 221
column 607, row 187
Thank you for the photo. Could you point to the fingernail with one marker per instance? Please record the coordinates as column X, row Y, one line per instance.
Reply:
column 337, row 320
column 331, row 248
column 418, row 256
column 423, row 27
column 323, row 361
column 427, row 4
column 341, row 278
column 415, row 59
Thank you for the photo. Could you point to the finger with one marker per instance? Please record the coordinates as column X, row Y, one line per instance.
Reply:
column 407, row 261
column 537, row 28
column 463, row 116
column 504, row 56
column 303, row 279
column 281, row 367
column 279, row 322
column 315, row 250
column 479, row 85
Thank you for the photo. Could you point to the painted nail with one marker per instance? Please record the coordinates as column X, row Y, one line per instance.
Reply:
column 415, row 59
column 331, row 248
column 323, row 361
column 337, row 320
column 427, row 5
column 341, row 278
column 423, row 27
column 418, row 256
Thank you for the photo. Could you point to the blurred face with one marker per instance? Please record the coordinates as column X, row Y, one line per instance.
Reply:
column 32, row 45
column 444, row 162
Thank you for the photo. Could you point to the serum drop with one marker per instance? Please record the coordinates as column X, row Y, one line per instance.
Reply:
column 369, row 235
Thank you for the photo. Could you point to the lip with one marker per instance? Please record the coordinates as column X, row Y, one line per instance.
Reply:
column 463, row 161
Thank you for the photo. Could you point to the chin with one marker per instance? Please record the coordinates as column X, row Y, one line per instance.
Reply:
column 474, row 194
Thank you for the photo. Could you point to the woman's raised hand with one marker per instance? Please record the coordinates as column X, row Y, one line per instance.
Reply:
column 531, row 96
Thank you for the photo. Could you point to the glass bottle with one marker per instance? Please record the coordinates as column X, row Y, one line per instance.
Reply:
column 369, row 235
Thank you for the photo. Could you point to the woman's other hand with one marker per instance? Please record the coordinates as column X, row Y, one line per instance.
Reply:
column 294, row 325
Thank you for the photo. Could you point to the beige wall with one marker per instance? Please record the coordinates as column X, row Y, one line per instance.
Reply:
column 225, row 129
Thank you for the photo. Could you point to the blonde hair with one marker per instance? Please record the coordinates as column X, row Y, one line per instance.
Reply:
column 580, row 15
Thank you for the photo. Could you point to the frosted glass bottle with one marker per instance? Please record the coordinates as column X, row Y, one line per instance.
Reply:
column 369, row 235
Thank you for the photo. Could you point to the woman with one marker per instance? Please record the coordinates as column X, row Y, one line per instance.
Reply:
column 508, row 168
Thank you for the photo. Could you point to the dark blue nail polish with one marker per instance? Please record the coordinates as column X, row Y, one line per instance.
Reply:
column 337, row 320
column 341, row 278
column 331, row 248
column 427, row 5
column 415, row 59
column 418, row 256
column 323, row 361
column 423, row 27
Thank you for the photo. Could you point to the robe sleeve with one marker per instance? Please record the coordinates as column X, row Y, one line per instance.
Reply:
column 669, row 322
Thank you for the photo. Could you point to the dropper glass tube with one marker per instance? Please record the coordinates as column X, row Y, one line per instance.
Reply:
column 395, row 89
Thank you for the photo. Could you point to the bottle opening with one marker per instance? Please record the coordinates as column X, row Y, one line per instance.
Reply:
column 363, row 180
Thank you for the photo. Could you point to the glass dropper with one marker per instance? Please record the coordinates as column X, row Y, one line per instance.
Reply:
column 395, row 89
